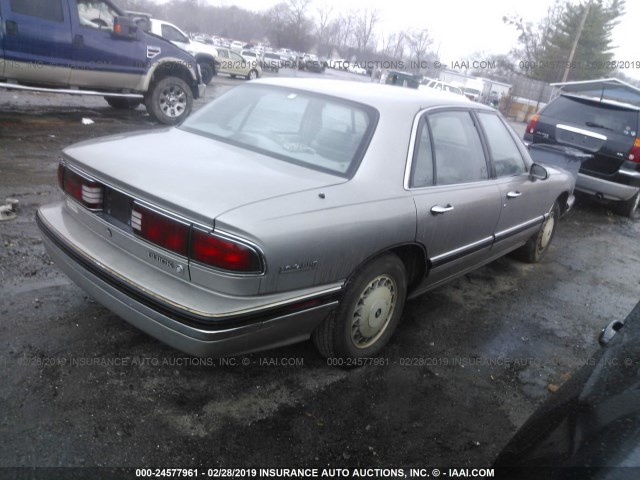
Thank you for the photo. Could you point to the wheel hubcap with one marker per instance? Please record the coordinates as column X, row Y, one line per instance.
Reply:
column 173, row 101
column 547, row 231
column 373, row 311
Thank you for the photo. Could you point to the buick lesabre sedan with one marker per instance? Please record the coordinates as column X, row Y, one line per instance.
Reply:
column 290, row 209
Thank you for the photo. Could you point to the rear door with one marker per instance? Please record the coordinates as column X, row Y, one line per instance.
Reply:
column 458, row 204
column 37, row 41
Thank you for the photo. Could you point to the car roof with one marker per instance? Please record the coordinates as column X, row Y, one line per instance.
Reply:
column 380, row 96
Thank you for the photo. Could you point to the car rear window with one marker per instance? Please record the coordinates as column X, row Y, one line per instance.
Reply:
column 316, row 131
column 591, row 114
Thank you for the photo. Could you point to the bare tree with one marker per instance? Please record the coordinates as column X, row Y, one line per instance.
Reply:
column 365, row 21
column 323, row 23
column 394, row 45
column 419, row 43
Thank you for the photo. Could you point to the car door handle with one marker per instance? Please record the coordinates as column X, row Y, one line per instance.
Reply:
column 513, row 194
column 437, row 209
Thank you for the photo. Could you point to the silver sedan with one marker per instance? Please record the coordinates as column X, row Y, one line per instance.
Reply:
column 290, row 209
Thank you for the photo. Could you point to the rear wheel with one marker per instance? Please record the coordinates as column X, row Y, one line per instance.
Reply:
column 169, row 101
column 537, row 245
column 253, row 74
column 368, row 312
column 629, row 208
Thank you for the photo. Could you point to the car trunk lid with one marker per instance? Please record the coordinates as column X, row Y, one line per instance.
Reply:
column 191, row 175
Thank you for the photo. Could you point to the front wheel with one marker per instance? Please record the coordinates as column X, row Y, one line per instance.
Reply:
column 253, row 74
column 629, row 208
column 537, row 245
column 368, row 312
column 169, row 101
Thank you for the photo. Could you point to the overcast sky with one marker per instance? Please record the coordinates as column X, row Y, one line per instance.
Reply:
column 460, row 28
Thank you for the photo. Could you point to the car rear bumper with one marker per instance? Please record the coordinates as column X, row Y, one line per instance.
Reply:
column 269, row 326
column 604, row 188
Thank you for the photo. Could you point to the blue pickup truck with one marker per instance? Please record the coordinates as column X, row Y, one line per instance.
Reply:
column 92, row 47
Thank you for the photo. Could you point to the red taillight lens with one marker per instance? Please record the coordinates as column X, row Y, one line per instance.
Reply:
column 223, row 253
column 61, row 176
column 532, row 123
column 87, row 192
column 634, row 154
column 160, row 229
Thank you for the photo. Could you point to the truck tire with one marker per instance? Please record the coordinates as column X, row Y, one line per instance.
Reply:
column 208, row 71
column 169, row 100
column 123, row 103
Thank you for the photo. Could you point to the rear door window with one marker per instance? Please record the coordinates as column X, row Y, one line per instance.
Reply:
column 49, row 10
column 459, row 157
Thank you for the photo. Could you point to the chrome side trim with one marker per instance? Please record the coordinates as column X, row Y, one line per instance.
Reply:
column 71, row 91
column 461, row 251
column 520, row 228
column 581, row 131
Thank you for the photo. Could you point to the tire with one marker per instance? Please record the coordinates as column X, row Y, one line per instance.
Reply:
column 253, row 74
column 122, row 103
column 208, row 71
column 538, row 244
column 169, row 101
column 629, row 208
column 368, row 312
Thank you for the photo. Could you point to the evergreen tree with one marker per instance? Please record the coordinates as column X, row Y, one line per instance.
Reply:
column 555, row 37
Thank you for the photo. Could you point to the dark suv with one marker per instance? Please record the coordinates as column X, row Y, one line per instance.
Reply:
column 605, row 129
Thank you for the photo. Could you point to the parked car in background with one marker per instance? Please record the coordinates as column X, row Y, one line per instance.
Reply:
column 298, row 208
column 252, row 55
column 472, row 93
column 606, row 129
column 235, row 65
column 272, row 61
column 311, row 63
column 357, row 69
column 205, row 55
column 590, row 427
column 91, row 47
column 237, row 46
column 442, row 87
column 337, row 63
column 402, row 79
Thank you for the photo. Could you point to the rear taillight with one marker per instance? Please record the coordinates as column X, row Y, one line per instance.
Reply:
column 85, row 190
column 160, row 229
column 224, row 253
column 532, row 123
column 634, row 154
column 61, row 176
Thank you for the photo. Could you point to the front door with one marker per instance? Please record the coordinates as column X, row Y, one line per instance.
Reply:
column 100, row 59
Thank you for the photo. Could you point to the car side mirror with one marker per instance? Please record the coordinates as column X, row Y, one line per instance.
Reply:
column 125, row 27
column 538, row 172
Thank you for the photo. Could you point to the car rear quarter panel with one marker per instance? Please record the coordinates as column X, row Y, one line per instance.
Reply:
column 330, row 232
